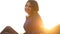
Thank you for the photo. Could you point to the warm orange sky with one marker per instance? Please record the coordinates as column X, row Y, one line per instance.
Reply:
column 12, row 13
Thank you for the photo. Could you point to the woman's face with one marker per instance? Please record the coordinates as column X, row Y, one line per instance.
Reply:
column 28, row 7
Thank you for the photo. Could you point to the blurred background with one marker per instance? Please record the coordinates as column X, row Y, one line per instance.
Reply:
column 12, row 14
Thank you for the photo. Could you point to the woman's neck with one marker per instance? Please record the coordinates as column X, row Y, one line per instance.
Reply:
column 32, row 14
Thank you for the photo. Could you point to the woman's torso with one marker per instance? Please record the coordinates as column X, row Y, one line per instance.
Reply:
column 33, row 24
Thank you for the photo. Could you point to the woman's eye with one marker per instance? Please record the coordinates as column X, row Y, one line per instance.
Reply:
column 29, row 6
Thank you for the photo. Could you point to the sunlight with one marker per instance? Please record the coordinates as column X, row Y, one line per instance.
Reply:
column 50, row 26
column 12, row 13
column 50, row 13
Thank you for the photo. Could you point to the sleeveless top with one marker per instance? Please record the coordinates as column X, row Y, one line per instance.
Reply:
column 33, row 24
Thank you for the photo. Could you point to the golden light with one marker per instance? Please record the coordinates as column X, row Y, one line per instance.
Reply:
column 50, row 26
column 50, row 13
column 12, row 13
column 50, row 21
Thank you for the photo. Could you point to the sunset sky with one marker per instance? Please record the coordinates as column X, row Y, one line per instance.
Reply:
column 12, row 13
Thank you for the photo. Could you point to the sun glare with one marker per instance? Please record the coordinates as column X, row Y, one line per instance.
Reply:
column 50, row 13
column 49, row 26
column 12, row 13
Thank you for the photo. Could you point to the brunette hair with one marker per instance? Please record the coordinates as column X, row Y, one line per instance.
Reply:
column 34, row 6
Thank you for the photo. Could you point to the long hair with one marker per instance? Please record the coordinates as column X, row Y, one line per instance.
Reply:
column 34, row 6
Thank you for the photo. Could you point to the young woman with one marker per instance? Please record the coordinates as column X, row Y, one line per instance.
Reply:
column 33, row 24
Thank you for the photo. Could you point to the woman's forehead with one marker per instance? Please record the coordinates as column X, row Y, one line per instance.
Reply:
column 28, row 3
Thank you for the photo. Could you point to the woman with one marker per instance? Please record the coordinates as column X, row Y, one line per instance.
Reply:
column 33, row 24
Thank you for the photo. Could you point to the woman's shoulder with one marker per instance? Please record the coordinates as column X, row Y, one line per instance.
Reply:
column 36, row 16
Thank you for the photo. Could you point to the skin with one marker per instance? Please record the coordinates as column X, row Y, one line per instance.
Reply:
column 28, row 8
